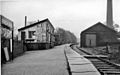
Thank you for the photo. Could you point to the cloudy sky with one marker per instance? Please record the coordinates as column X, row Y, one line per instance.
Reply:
column 72, row 15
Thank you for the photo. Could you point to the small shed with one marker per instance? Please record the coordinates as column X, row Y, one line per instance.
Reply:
column 98, row 35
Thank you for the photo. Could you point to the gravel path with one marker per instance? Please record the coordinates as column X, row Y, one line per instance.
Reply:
column 44, row 62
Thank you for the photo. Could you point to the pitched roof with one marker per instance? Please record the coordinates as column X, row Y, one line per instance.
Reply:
column 99, row 23
column 34, row 24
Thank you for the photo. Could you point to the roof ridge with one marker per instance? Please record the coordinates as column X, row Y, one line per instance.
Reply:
column 98, row 24
column 22, row 28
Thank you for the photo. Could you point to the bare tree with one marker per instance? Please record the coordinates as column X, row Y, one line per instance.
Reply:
column 65, row 36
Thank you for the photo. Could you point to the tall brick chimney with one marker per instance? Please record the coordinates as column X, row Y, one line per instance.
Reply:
column 109, row 14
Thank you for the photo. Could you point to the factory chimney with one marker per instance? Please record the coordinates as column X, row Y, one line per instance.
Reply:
column 109, row 14
column 25, row 21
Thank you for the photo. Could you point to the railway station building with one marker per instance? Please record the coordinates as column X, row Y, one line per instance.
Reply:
column 37, row 35
column 98, row 35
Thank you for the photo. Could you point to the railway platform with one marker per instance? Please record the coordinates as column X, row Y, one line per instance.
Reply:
column 78, row 64
column 40, row 62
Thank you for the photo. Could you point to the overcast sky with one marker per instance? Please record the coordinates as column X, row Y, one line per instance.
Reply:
column 72, row 15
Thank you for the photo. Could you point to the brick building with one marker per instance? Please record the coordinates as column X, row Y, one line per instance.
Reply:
column 98, row 35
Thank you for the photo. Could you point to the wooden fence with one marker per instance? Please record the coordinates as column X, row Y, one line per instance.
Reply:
column 7, row 54
column 19, row 48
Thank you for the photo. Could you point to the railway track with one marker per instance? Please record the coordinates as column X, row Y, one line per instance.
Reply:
column 104, row 66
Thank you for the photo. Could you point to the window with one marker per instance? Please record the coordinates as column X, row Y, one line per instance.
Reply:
column 31, row 33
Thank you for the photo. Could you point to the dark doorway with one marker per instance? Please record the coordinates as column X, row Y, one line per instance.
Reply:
column 22, row 35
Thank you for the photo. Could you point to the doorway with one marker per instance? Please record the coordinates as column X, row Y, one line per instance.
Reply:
column 90, row 40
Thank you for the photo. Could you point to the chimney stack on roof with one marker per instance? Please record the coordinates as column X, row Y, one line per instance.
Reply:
column 38, row 20
column 25, row 21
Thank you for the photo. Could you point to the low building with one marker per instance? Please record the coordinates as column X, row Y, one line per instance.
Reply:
column 98, row 35
column 40, row 33
column 6, row 28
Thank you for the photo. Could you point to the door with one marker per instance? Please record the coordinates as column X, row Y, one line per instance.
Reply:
column 22, row 35
column 90, row 40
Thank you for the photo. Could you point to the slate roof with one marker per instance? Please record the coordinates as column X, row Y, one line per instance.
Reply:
column 34, row 24
column 99, row 23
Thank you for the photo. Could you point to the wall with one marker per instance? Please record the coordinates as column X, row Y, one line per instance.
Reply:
column 41, row 32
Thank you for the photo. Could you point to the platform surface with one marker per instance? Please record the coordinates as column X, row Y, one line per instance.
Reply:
column 41, row 62
column 79, row 65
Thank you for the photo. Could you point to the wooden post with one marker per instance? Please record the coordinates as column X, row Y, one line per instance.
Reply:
column 12, row 41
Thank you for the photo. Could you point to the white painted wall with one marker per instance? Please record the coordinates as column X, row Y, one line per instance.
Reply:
column 40, row 34
column 27, row 33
